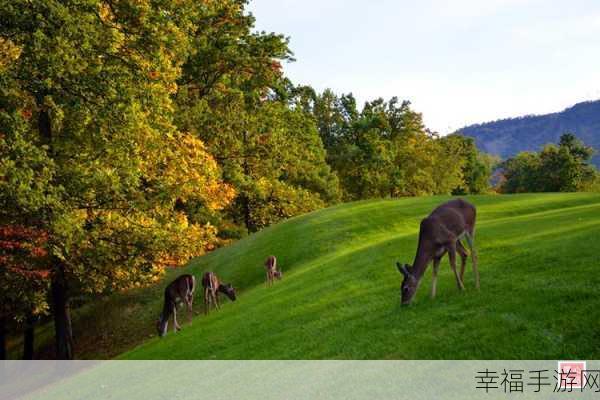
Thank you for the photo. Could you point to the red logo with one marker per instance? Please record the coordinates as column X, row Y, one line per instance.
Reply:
column 570, row 374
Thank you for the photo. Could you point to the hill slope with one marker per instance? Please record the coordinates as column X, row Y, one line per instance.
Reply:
column 340, row 294
column 508, row 137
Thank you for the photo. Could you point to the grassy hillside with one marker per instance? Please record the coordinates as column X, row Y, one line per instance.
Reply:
column 340, row 293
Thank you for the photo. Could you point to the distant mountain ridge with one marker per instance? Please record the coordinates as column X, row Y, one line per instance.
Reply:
column 507, row 137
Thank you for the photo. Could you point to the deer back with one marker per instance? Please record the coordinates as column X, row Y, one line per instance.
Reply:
column 180, row 287
column 456, row 213
column 449, row 220
column 210, row 281
column 271, row 263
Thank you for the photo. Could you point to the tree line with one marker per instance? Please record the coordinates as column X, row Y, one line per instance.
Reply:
column 135, row 135
column 385, row 150
column 562, row 167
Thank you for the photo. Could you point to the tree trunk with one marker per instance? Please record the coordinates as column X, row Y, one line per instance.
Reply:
column 44, row 123
column 28, row 337
column 250, row 227
column 62, row 316
column 2, row 338
column 58, row 288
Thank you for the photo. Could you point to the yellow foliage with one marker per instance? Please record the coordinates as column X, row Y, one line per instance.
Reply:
column 9, row 53
column 190, row 172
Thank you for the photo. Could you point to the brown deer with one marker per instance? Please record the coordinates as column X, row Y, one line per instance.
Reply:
column 440, row 233
column 180, row 290
column 212, row 287
column 272, row 271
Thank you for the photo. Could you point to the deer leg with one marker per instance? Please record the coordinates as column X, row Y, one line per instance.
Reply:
column 452, row 255
column 470, row 237
column 216, row 298
column 206, row 301
column 212, row 299
column 463, row 258
column 189, row 301
column 436, row 267
column 176, row 326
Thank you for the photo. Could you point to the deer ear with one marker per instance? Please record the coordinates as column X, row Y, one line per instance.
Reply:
column 402, row 269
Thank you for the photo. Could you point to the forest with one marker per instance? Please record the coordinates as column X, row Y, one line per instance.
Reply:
column 562, row 167
column 136, row 135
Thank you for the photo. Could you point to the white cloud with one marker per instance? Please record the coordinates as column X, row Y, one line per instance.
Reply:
column 466, row 9
column 553, row 31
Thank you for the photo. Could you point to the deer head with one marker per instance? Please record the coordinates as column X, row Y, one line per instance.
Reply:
column 409, row 283
column 278, row 274
column 228, row 290
column 161, row 326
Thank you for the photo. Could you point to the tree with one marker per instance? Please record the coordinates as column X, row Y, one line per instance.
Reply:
column 89, row 152
column 450, row 168
column 24, row 280
column 385, row 149
column 521, row 173
column 556, row 168
column 333, row 116
column 25, row 187
column 233, row 96
column 477, row 166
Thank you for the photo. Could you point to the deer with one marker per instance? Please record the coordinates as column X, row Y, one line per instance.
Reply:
column 272, row 271
column 440, row 233
column 180, row 290
column 212, row 287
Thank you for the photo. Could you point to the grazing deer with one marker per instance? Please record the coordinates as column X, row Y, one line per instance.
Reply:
column 180, row 290
column 212, row 287
column 440, row 233
column 272, row 271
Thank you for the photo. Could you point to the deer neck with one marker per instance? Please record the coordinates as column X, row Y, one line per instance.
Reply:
column 421, row 261
column 166, row 312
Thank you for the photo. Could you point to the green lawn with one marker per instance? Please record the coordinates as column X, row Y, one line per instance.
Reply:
column 339, row 299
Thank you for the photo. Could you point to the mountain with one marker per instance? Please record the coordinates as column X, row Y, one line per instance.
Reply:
column 507, row 137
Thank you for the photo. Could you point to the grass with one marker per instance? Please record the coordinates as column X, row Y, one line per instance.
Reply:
column 339, row 298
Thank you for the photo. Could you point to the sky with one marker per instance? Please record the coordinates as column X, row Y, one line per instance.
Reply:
column 459, row 62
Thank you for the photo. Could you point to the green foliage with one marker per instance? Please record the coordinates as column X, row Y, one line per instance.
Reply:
column 477, row 167
column 90, row 154
column 26, row 193
column 26, row 172
column 556, row 168
column 233, row 96
column 385, row 150
column 450, row 164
